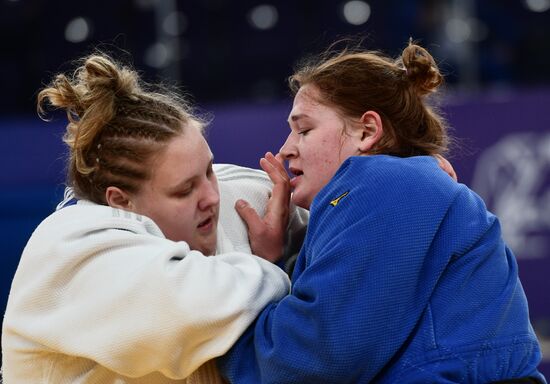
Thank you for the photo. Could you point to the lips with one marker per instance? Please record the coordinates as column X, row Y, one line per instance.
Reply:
column 206, row 225
column 297, row 176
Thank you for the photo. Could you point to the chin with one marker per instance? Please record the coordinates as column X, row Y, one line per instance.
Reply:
column 300, row 201
column 207, row 249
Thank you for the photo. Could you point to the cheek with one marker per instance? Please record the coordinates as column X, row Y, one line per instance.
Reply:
column 181, row 224
column 183, row 212
column 322, row 160
column 176, row 214
column 327, row 163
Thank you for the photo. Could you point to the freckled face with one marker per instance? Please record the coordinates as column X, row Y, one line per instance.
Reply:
column 316, row 145
column 182, row 196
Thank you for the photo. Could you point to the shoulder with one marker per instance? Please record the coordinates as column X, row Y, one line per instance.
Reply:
column 88, row 231
column 391, row 168
column 395, row 175
column 236, row 182
column 235, row 173
column 86, row 217
column 387, row 186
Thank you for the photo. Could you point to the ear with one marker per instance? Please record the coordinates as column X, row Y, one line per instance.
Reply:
column 371, row 130
column 117, row 198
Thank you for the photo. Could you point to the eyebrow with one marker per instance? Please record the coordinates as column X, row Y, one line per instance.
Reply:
column 297, row 117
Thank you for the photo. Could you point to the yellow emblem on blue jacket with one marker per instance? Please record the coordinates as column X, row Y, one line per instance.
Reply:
column 337, row 200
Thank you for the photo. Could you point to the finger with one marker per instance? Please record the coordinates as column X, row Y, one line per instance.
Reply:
column 279, row 177
column 248, row 214
column 280, row 158
column 277, row 163
column 278, row 204
column 276, row 175
column 446, row 166
column 281, row 164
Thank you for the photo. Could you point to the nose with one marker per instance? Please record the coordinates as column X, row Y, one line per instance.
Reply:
column 210, row 195
column 289, row 150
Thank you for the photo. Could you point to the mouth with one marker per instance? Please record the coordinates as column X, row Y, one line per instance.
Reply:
column 206, row 225
column 297, row 175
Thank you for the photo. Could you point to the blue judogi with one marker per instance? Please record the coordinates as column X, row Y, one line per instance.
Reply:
column 403, row 278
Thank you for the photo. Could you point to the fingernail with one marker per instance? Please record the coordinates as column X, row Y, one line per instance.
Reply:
column 241, row 203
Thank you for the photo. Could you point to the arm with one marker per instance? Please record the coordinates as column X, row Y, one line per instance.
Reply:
column 136, row 303
column 342, row 323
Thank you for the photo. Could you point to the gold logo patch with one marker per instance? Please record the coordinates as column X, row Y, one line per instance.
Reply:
column 335, row 202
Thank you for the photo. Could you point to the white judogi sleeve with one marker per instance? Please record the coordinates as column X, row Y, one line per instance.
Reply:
column 100, row 296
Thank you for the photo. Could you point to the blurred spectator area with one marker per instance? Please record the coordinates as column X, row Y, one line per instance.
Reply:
column 223, row 50
column 234, row 58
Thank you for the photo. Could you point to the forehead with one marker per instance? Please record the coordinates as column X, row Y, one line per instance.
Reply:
column 306, row 98
column 308, row 105
column 184, row 153
column 192, row 146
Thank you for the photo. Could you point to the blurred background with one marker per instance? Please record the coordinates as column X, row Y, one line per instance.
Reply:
column 234, row 58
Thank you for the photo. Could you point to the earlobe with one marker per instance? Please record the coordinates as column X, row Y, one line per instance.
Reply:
column 372, row 130
column 117, row 198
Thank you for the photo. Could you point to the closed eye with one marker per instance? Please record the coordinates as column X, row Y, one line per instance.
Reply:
column 184, row 193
